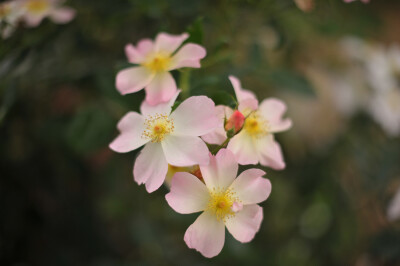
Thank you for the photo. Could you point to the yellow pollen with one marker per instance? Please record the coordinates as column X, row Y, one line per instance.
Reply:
column 220, row 203
column 158, row 62
column 157, row 127
column 256, row 126
column 37, row 6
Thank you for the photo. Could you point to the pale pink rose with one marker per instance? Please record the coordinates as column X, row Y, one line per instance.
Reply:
column 255, row 143
column 37, row 10
column 169, row 138
column 10, row 13
column 226, row 201
column 156, row 59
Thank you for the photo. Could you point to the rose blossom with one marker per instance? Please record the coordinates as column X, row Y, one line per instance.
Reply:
column 37, row 10
column 155, row 60
column 226, row 201
column 255, row 143
column 169, row 137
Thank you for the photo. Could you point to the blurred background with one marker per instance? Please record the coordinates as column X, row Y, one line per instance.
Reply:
column 67, row 199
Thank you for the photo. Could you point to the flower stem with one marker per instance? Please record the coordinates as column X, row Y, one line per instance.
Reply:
column 220, row 146
column 184, row 83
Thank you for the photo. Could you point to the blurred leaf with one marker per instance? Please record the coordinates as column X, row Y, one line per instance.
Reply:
column 223, row 98
column 90, row 129
column 196, row 31
column 291, row 81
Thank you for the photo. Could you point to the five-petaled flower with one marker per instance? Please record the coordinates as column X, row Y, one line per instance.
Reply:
column 155, row 60
column 37, row 10
column 169, row 137
column 255, row 143
column 224, row 200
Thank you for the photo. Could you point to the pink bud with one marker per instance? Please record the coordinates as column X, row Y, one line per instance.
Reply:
column 236, row 121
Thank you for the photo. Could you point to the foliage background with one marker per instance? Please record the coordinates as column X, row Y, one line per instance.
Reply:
column 66, row 199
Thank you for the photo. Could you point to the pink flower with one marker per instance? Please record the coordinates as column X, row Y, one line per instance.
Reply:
column 155, row 60
column 37, row 10
column 255, row 143
column 224, row 200
column 169, row 138
column 10, row 13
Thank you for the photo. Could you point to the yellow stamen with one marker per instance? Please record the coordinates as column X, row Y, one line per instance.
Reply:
column 221, row 202
column 157, row 127
column 158, row 62
column 256, row 126
column 37, row 6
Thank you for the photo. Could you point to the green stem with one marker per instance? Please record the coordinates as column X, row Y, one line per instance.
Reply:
column 184, row 83
column 220, row 146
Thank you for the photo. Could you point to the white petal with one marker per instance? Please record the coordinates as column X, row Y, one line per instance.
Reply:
column 269, row 153
column 206, row 235
column 150, row 167
column 243, row 147
column 185, row 150
column 168, row 43
column 196, row 116
column 246, row 223
column 161, row 89
column 221, row 171
column 188, row 194
column 131, row 127
column 250, row 187
column 163, row 108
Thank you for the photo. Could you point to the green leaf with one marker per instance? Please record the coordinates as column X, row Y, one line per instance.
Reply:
column 291, row 81
column 223, row 98
column 196, row 31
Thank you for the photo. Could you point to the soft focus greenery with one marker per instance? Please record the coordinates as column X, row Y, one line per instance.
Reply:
column 67, row 199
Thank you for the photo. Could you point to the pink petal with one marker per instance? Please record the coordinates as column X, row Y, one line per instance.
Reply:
column 243, row 147
column 188, row 194
column 188, row 56
column 246, row 223
column 62, row 15
column 206, row 235
column 168, row 43
column 133, row 79
column 161, row 89
column 131, row 127
column 150, row 167
column 185, row 150
column 248, row 105
column 221, row 171
column 241, row 94
column 218, row 135
column 273, row 109
column 138, row 54
column 250, row 187
column 270, row 153
column 162, row 108
column 33, row 20
column 195, row 116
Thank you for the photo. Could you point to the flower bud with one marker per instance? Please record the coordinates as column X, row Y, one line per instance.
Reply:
column 235, row 122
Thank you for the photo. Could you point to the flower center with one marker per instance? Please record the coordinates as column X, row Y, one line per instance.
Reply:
column 221, row 202
column 157, row 127
column 158, row 62
column 5, row 10
column 256, row 126
column 37, row 6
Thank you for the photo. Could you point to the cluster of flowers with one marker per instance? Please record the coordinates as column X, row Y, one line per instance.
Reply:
column 174, row 140
column 380, row 90
column 31, row 13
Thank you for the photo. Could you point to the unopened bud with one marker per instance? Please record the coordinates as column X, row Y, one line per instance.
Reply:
column 235, row 122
